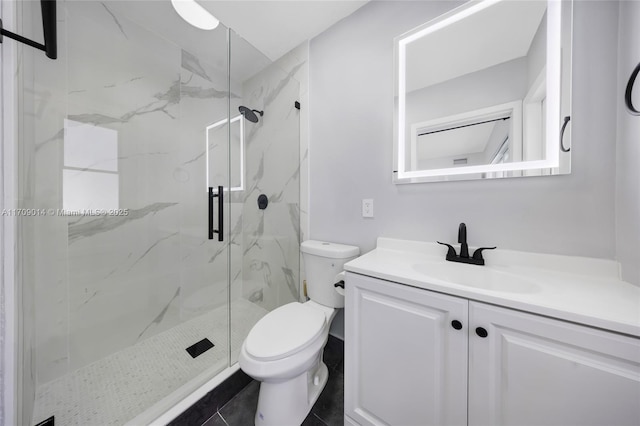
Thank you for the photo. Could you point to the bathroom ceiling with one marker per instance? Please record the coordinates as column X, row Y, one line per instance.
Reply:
column 276, row 27
column 273, row 27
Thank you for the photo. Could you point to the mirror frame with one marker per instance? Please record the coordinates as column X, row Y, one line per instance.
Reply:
column 554, row 80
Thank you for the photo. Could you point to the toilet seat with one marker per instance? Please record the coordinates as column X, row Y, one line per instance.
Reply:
column 284, row 331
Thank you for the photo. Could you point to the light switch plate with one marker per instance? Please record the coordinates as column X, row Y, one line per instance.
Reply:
column 367, row 207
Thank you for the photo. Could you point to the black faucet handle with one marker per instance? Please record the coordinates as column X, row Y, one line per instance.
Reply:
column 451, row 252
column 478, row 253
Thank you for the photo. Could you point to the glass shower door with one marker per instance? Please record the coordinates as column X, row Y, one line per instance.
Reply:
column 120, row 279
column 265, row 205
column 127, row 304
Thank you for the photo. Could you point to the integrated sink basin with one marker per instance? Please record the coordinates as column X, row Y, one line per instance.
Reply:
column 480, row 277
column 571, row 288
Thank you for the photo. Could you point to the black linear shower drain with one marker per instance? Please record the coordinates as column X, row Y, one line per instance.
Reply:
column 199, row 348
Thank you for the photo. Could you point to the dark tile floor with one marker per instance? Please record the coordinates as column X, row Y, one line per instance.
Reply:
column 327, row 411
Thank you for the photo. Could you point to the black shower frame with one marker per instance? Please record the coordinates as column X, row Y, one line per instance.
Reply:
column 49, row 29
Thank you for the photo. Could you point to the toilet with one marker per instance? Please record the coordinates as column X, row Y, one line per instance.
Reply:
column 284, row 349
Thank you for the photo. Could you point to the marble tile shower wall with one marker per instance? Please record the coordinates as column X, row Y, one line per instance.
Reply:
column 104, row 283
column 271, row 237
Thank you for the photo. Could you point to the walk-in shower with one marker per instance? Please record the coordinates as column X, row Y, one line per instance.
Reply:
column 120, row 137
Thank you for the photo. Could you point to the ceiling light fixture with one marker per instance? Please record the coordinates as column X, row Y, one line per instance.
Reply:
column 195, row 14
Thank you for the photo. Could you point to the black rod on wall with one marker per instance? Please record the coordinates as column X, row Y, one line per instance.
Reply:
column 49, row 29
column 465, row 125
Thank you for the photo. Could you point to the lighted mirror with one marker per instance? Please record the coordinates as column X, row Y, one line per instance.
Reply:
column 484, row 92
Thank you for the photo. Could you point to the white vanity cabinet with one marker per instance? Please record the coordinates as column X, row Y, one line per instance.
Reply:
column 533, row 370
column 406, row 364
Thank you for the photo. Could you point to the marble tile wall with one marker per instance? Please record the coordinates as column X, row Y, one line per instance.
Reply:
column 300, row 56
column 103, row 283
column 204, row 263
column 296, row 64
column 272, row 236
column 123, row 271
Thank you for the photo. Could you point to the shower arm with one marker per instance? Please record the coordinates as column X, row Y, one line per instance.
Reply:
column 50, row 46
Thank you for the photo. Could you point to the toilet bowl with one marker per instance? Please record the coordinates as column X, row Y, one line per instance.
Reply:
column 284, row 349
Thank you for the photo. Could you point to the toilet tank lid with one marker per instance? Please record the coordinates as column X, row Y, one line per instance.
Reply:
column 331, row 250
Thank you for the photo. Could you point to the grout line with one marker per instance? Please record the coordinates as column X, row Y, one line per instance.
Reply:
column 223, row 419
column 321, row 420
column 234, row 396
column 205, row 422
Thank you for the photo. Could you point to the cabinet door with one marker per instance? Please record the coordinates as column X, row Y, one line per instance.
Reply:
column 532, row 370
column 405, row 365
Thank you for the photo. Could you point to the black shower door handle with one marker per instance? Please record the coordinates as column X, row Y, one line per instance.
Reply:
column 218, row 231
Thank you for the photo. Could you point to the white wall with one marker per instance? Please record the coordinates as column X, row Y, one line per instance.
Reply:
column 351, row 75
column 351, row 96
column 628, row 148
column 351, row 79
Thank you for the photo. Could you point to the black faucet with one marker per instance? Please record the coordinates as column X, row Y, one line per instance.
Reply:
column 476, row 259
column 462, row 239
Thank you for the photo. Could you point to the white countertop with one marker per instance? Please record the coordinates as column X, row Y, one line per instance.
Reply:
column 577, row 289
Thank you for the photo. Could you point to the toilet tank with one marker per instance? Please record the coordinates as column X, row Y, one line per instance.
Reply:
column 323, row 261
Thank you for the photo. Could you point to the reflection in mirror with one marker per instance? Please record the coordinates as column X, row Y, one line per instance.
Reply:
column 487, row 136
column 479, row 92
column 216, row 161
